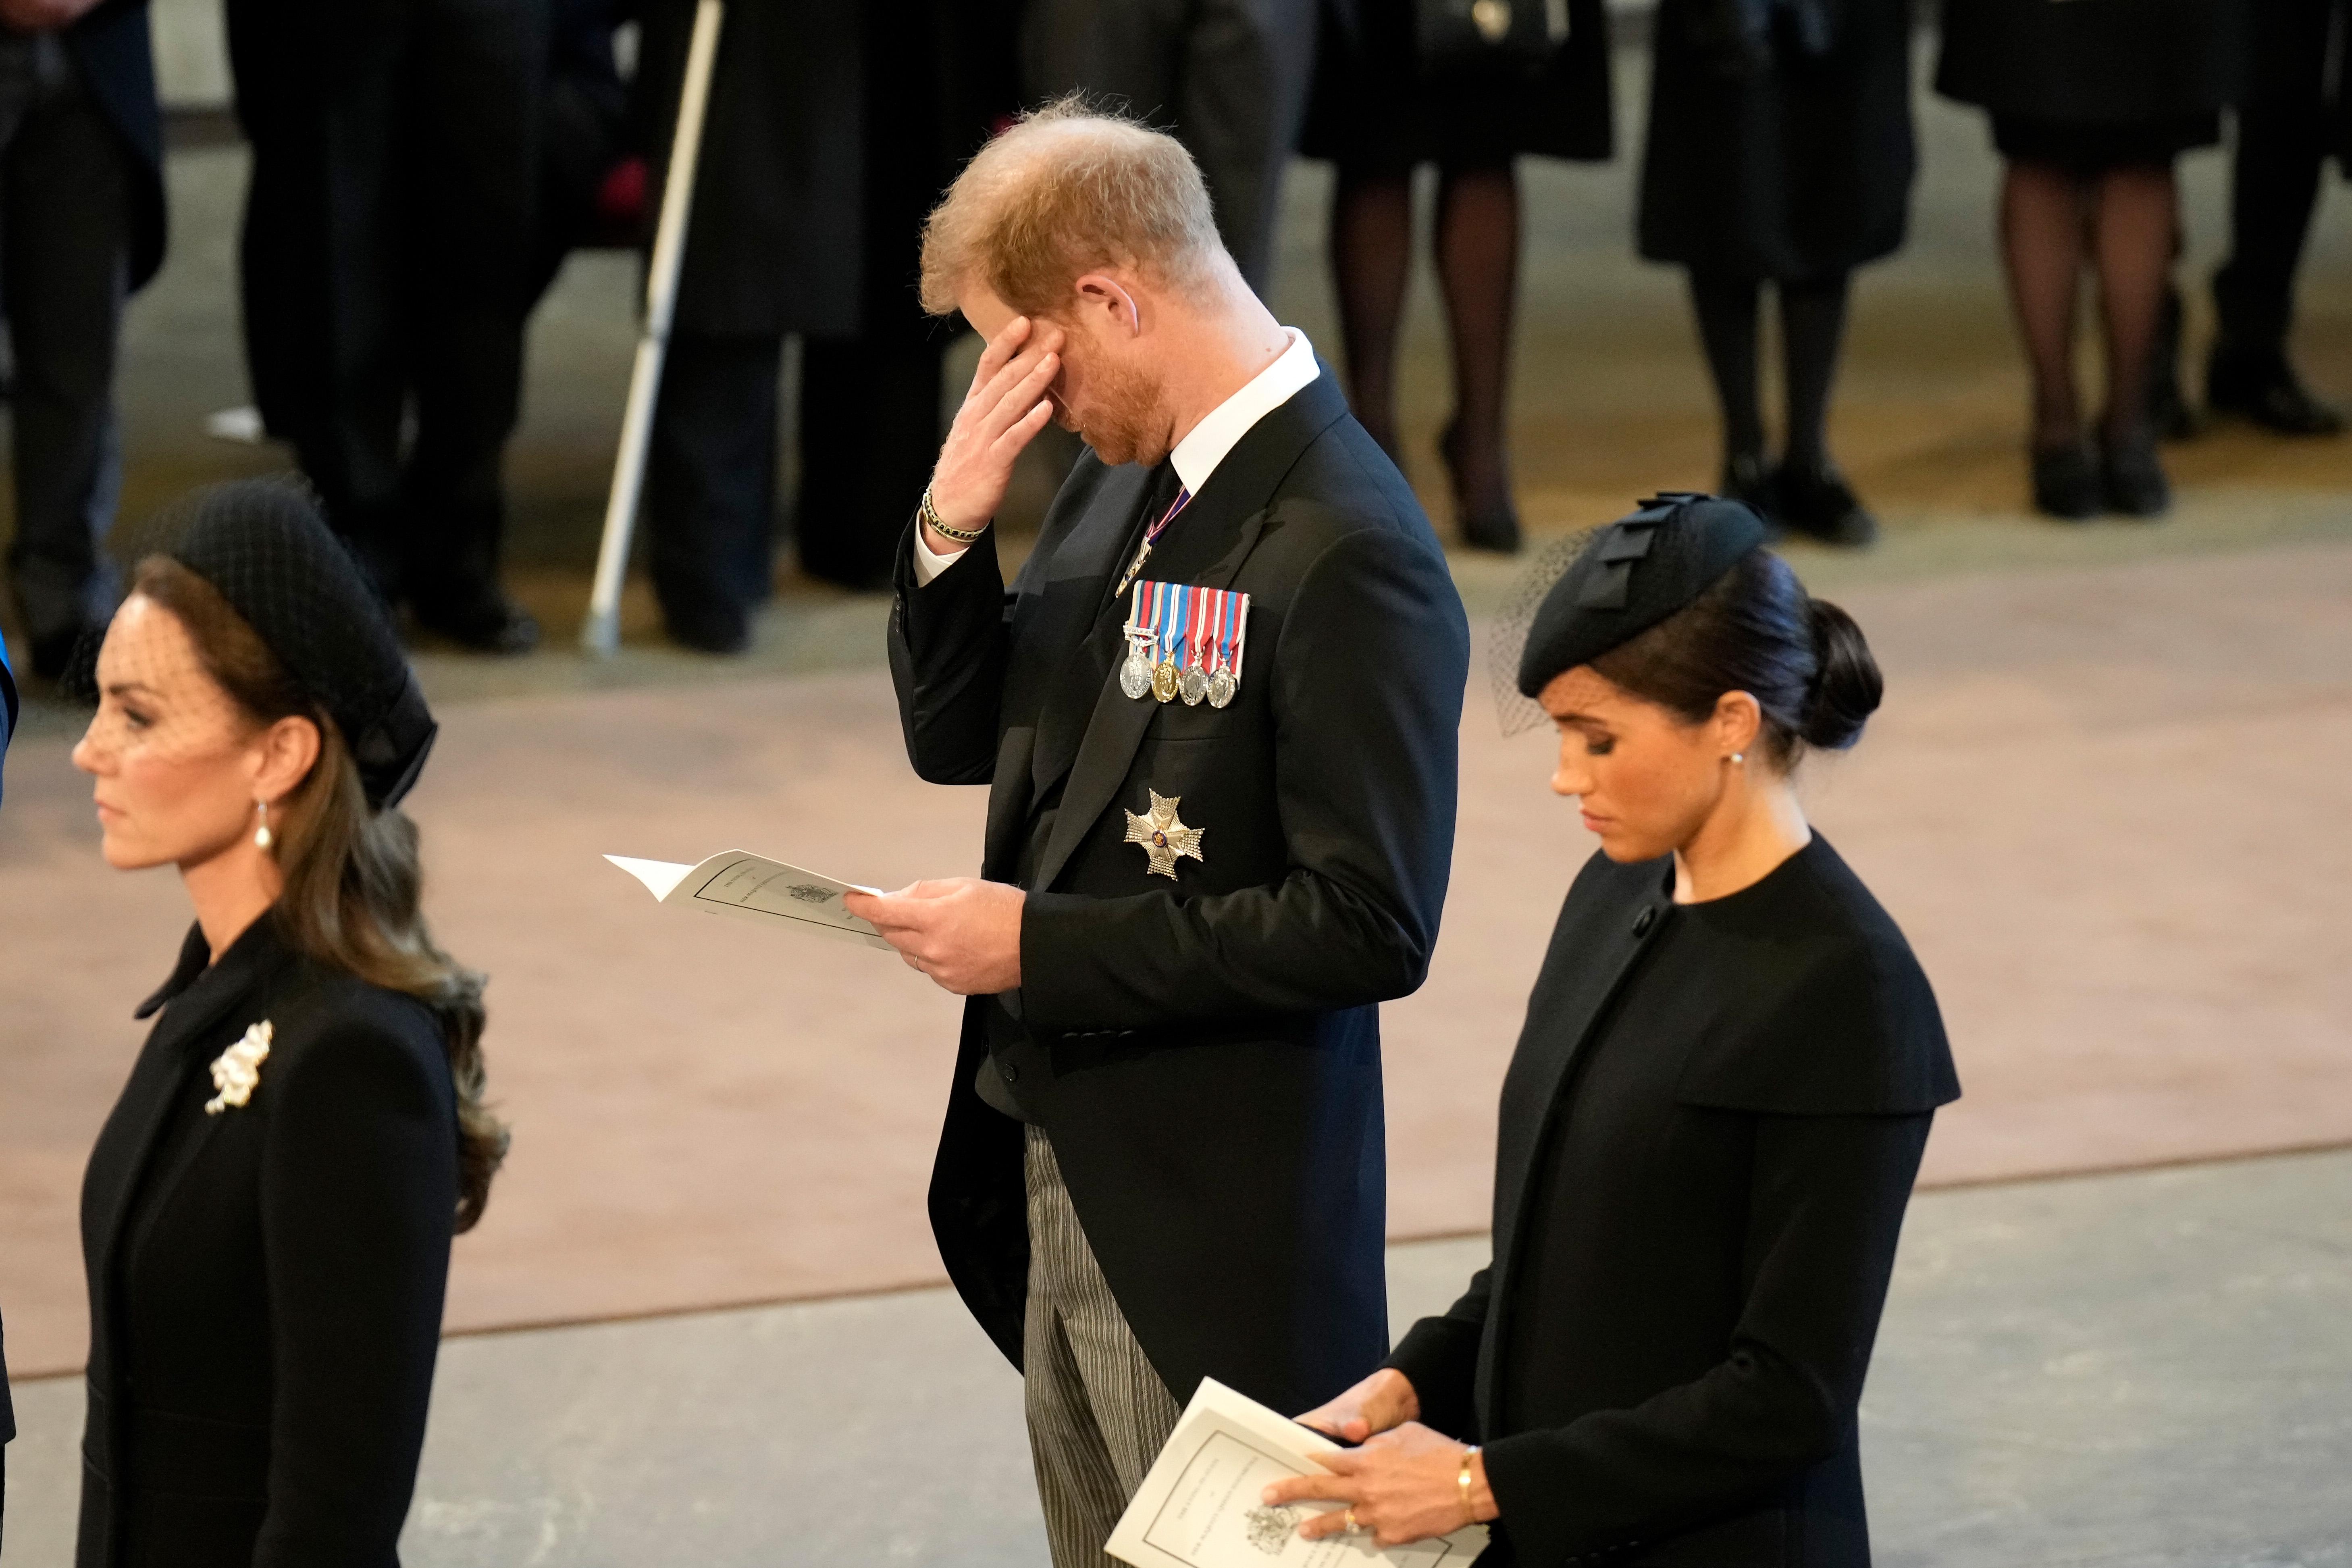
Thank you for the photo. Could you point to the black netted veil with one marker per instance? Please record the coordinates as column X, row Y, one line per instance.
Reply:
column 1507, row 638
column 265, row 546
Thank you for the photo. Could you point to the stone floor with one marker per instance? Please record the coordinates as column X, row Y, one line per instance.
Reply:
column 2137, row 1371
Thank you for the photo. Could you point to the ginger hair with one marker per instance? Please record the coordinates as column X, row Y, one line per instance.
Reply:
column 1066, row 189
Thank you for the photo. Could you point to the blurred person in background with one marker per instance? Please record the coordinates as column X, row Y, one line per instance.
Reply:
column 1780, row 150
column 1379, row 111
column 386, row 255
column 2295, row 113
column 1229, row 78
column 81, row 208
column 2091, row 105
column 832, row 128
column 267, row 1211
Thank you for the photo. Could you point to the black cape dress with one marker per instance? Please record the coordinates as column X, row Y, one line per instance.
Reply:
column 1780, row 143
column 1709, row 1135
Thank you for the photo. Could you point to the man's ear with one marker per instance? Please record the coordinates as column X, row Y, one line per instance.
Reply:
column 1100, row 291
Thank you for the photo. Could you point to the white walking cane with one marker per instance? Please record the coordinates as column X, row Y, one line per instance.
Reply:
column 602, row 634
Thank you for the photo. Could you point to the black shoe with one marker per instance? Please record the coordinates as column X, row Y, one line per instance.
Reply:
column 2259, row 384
column 1813, row 500
column 2067, row 483
column 483, row 620
column 2133, row 479
column 1494, row 527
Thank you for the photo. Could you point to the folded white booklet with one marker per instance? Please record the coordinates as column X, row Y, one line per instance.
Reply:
column 1200, row 1506
column 752, row 887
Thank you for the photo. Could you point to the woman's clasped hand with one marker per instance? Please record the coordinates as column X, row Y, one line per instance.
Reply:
column 1403, row 1483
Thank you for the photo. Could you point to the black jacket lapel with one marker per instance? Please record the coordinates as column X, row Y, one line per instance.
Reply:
column 190, row 1007
column 1208, row 546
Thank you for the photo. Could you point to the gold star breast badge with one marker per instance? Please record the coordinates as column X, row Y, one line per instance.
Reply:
column 1164, row 837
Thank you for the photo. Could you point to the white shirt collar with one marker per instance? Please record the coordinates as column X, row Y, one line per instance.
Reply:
column 1196, row 457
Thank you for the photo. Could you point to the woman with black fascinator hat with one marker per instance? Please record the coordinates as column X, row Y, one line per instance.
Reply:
column 1710, row 1127
column 266, row 1215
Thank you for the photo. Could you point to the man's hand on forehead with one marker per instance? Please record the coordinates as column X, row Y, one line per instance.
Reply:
column 1007, row 405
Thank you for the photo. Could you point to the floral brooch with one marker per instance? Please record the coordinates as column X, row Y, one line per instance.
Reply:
column 237, row 1072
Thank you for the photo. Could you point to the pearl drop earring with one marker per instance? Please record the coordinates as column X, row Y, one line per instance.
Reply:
column 262, row 837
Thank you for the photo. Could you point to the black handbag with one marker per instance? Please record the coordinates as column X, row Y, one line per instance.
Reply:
column 1487, row 38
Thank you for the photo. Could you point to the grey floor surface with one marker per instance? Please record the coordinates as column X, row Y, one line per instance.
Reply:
column 2150, row 1370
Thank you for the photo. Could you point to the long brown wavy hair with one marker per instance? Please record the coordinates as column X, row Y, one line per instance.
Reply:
column 352, row 879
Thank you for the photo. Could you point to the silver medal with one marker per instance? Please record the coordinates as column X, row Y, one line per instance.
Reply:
column 1192, row 686
column 1135, row 675
column 1221, row 688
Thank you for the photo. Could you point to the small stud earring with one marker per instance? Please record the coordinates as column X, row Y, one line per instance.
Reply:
column 262, row 837
column 1739, row 757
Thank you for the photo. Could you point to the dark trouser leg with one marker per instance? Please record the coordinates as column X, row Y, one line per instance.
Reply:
column 65, row 208
column 470, row 172
column 869, row 434
column 2283, row 137
column 1247, row 66
column 316, row 89
column 1726, row 308
column 1813, row 329
column 869, row 407
column 1371, row 261
column 711, row 487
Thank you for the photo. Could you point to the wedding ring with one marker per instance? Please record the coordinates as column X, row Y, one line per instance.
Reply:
column 1353, row 1528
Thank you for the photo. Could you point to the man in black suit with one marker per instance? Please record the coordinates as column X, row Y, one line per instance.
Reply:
column 81, row 205
column 386, row 258
column 1163, row 1153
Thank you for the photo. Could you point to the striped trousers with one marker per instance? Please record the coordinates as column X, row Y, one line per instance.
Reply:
column 1097, row 1411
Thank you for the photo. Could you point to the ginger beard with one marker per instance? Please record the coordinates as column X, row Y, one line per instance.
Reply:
column 1117, row 409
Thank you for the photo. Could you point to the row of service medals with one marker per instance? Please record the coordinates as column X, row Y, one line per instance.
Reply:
column 1184, row 640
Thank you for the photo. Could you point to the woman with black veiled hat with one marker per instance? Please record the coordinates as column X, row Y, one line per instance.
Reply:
column 267, row 1217
column 1711, row 1124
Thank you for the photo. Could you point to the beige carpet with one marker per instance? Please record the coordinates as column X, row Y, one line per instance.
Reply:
column 2108, row 803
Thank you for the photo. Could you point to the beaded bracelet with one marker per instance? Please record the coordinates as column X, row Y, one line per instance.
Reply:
column 931, row 515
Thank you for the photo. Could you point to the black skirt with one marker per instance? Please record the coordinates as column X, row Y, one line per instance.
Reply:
column 2090, row 148
column 1375, row 111
column 2103, row 62
column 1789, row 157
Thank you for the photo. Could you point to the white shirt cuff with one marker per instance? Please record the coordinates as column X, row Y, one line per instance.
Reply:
column 929, row 563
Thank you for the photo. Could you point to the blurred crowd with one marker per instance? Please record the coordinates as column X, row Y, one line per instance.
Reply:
column 420, row 169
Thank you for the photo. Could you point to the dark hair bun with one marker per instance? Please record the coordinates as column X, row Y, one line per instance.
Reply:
column 1846, row 685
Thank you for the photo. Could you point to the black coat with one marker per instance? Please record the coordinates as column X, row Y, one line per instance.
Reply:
column 112, row 45
column 266, row 1283
column 1708, row 1135
column 1203, row 1054
column 2103, row 62
column 772, row 245
column 1778, row 149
